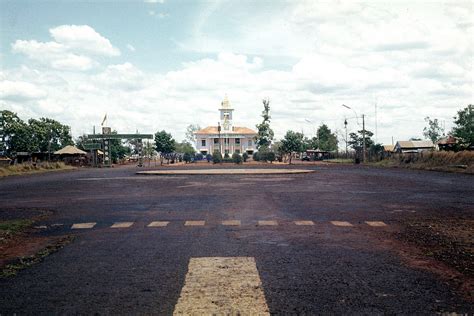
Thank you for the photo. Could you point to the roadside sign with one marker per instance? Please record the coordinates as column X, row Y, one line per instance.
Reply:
column 92, row 146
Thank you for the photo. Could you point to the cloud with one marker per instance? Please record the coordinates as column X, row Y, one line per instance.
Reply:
column 84, row 38
column 131, row 48
column 155, row 1
column 71, row 50
column 20, row 91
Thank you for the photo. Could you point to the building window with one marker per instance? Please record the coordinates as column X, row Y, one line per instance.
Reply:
column 237, row 141
column 250, row 142
column 203, row 142
column 216, row 140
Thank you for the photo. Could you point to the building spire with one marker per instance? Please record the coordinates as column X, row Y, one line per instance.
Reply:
column 225, row 103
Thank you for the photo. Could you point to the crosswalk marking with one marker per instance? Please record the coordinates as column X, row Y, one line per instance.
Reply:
column 122, row 225
column 158, row 224
column 194, row 223
column 340, row 223
column 83, row 225
column 267, row 223
column 222, row 286
column 232, row 222
column 304, row 223
column 376, row 223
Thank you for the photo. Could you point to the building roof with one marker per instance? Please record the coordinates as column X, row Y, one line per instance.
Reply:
column 70, row 150
column 388, row 148
column 415, row 144
column 448, row 140
column 236, row 130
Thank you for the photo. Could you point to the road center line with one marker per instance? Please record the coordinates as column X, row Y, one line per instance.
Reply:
column 122, row 225
column 343, row 224
column 222, row 286
column 82, row 225
column 158, row 224
column 194, row 223
column 376, row 223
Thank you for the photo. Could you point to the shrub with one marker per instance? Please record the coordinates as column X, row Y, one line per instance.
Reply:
column 209, row 157
column 236, row 158
column 256, row 156
column 226, row 155
column 199, row 156
column 270, row 156
column 245, row 156
column 187, row 157
column 217, row 157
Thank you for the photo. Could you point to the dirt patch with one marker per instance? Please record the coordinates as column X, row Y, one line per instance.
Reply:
column 442, row 246
column 20, row 244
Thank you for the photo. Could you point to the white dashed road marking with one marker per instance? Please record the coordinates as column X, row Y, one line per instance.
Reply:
column 122, row 225
column 83, row 225
column 304, row 223
column 343, row 224
column 158, row 224
column 267, row 223
column 231, row 222
column 376, row 224
column 194, row 223
column 222, row 286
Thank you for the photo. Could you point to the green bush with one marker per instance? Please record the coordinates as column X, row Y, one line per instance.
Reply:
column 217, row 157
column 187, row 157
column 270, row 156
column 236, row 158
column 226, row 155
column 245, row 156
column 256, row 156
column 209, row 157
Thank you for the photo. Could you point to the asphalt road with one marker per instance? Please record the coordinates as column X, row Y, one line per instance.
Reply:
column 303, row 269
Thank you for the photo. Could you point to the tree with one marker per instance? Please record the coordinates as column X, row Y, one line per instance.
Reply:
column 217, row 157
column 165, row 144
column 292, row 142
column 236, row 158
column 264, row 132
column 15, row 134
column 464, row 129
column 185, row 147
column 326, row 140
column 187, row 157
column 189, row 135
column 49, row 135
column 433, row 131
column 357, row 141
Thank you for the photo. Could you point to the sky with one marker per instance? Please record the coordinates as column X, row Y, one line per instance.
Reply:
column 162, row 65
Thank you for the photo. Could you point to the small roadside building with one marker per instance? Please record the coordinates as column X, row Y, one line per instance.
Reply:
column 447, row 143
column 72, row 155
column 413, row 146
column 225, row 137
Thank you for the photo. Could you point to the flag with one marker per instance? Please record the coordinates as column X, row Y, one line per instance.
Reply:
column 103, row 121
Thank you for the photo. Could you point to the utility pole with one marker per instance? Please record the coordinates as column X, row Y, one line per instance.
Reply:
column 363, row 138
column 345, row 126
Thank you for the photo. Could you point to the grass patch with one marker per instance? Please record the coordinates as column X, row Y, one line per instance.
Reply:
column 12, row 227
column 462, row 161
column 27, row 168
column 340, row 160
column 19, row 264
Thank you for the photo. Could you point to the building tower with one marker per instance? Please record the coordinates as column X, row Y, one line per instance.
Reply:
column 226, row 116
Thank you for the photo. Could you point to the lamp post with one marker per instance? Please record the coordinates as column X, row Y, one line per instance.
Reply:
column 363, row 131
column 219, row 132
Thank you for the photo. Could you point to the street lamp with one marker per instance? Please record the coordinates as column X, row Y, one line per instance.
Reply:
column 219, row 132
column 363, row 131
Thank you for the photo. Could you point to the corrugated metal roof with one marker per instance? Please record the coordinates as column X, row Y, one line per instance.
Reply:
column 415, row 144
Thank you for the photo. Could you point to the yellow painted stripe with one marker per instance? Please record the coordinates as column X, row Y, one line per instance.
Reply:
column 376, row 223
column 122, row 225
column 82, row 225
column 343, row 224
column 232, row 222
column 267, row 223
column 222, row 286
column 304, row 223
column 194, row 223
column 158, row 224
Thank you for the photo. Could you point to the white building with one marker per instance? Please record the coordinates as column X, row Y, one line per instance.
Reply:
column 225, row 137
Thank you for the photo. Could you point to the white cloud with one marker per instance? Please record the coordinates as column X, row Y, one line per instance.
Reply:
column 131, row 47
column 155, row 1
column 84, row 38
column 20, row 91
column 71, row 50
